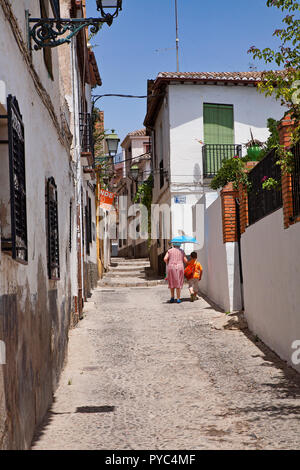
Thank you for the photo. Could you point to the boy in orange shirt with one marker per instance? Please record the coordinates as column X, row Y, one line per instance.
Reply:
column 193, row 273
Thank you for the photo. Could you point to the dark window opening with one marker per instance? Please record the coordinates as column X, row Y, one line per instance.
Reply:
column 161, row 174
column 12, row 183
column 52, row 230
column 86, row 133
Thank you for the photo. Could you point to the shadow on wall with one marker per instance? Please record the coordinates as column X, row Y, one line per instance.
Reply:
column 35, row 332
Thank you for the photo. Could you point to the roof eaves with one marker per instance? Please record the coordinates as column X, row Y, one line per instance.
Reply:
column 96, row 75
column 154, row 102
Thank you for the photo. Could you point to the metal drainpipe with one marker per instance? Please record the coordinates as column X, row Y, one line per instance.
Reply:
column 77, row 149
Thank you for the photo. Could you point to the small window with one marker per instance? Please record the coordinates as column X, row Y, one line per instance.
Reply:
column 147, row 147
column 52, row 230
column 161, row 174
column 13, row 215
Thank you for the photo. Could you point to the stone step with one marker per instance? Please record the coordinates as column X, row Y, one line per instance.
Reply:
column 127, row 269
column 129, row 266
column 116, row 274
column 129, row 262
column 122, row 260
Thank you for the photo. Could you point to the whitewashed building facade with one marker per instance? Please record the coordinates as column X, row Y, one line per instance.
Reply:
column 195, row 120
column 135, row 148
column 47, row 207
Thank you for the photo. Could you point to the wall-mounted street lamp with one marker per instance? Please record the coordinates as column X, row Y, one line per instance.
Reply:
column 47, row 32
column 134, row 172
column 112, row 141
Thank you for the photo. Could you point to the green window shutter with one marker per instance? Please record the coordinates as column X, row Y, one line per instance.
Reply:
column 218, row 129
column 218, row 124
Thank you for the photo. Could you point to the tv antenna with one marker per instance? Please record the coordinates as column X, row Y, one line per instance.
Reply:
column 177, row 39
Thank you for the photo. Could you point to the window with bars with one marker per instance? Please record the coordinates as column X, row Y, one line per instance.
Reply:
column 52, row 230
column 86, row 133
column 12, row 183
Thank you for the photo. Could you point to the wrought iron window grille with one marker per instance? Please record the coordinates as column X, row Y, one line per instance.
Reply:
column 86, row 133
column 52, row 32
column 17, row 243
column 52, row 230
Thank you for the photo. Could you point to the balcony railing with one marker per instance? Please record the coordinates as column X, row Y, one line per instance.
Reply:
column 214, row 154
column 262, row 202
column 86, row 133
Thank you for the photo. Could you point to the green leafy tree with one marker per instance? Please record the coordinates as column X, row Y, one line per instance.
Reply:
column 284, row 84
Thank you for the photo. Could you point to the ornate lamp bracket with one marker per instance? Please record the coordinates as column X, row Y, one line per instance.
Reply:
column 48, row 32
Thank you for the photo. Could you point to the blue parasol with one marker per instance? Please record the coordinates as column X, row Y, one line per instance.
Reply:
column 184, row 239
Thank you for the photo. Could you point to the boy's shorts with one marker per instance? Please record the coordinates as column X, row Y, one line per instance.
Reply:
column 194, row 283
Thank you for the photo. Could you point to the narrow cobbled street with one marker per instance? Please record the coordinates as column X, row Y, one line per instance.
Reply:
column 146, row 374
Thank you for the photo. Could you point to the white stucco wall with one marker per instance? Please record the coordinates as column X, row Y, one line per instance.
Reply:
column 251, row 110
column 180, row 119
column 41, row 145
column 271, row 272
column 183, row 215
column 220, row 280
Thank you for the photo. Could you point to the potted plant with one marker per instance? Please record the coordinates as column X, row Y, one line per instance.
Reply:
column 254, row 148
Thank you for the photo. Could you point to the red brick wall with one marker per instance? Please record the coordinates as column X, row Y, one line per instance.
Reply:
column 285, row 130
column 243, row 196
column 229, row 216
column 229, row 213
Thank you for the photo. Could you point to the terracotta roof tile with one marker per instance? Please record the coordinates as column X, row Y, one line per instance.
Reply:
column 227, row 76
column 139, row 132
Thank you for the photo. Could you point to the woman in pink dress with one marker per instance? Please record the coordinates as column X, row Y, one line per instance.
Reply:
column 175, row 259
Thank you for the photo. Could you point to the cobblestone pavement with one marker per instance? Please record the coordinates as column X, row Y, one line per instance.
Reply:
column 146, row 374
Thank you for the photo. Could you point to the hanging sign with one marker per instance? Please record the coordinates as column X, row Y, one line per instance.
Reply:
column 106, row 199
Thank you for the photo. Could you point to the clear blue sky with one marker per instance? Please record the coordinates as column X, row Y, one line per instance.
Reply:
column 214, row 36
